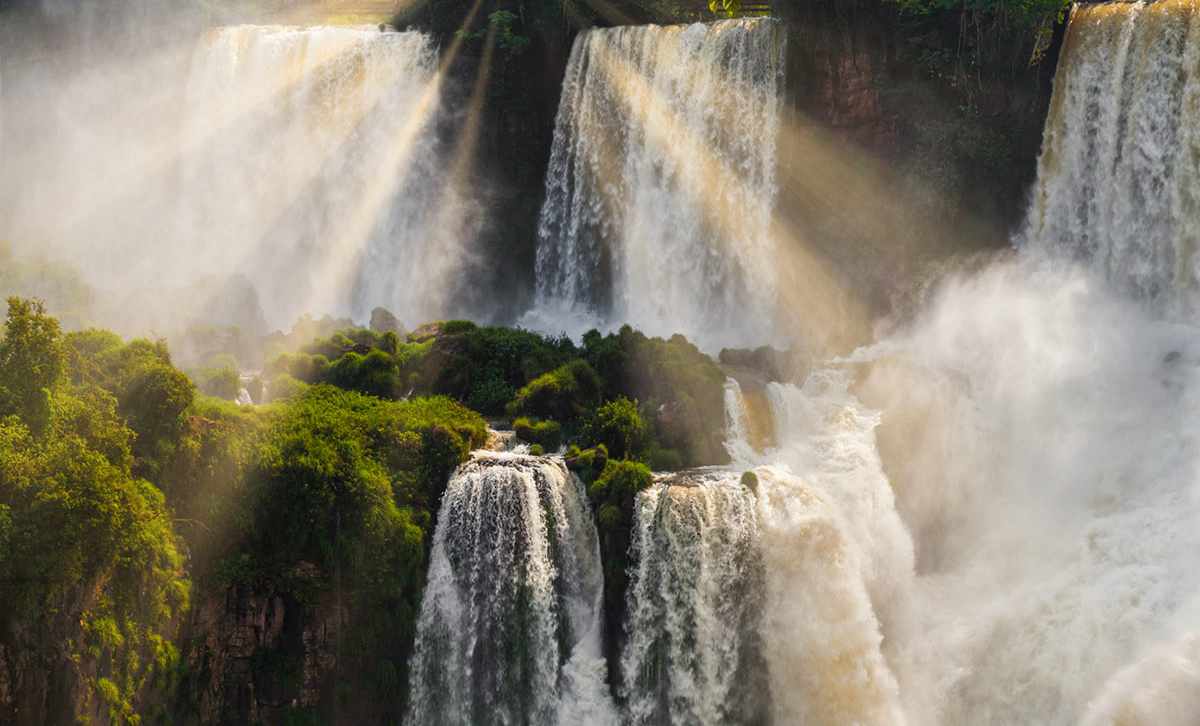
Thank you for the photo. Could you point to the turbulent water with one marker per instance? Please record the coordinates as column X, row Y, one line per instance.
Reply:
column 1119, row 179
column 837, row 559
column 509, row 631
column 661, row 186
column 696, row 593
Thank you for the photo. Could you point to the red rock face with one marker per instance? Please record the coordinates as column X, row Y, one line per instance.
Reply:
column 850, row 93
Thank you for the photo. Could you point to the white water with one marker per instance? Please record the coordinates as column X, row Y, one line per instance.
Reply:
column 661, row 184
column 837, row 559
column 1119, row 179
column 695, row 597
column 305, row 119
column 248, row 176
column 1032, row 557
column 510, row 623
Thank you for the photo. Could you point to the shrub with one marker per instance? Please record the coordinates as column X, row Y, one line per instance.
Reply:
column 565, row 393
column 618, row 425
column 682, row 386
column 491, row 393
column 537, row 450
column 457, row 327
column 587, row 464
column 619, row 483
column 660, row 459
column 87, row 550
column 548, row 434
column 32, row 361
column 284, row 387
column 220, row 383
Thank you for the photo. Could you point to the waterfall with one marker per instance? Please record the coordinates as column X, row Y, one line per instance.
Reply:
column 693, row 653
column 768, row 601
column 509, row 631
column 342, row 122
column 299, row 164
column 1119, row 177
column 662, row 184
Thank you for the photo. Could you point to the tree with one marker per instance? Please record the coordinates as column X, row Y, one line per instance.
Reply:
column 31, row 362
column 618, row 425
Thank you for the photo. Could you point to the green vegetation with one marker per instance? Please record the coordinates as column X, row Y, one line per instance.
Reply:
column 657, row 401
column 547, row 434
column 613, row 495
column 327, row 497
column 614, row 490
column 90, row 565
column 132, row 499
column 565, row 393
column 618, row 426
column 342, row 500
column 221, row 382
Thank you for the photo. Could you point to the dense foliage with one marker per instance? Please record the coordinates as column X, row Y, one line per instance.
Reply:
column 658, row 401
column 91, row 576
column 327, row 498
column 143, row 517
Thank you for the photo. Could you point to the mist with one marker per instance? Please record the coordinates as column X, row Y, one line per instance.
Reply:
column 765, row 442
column 193, row 171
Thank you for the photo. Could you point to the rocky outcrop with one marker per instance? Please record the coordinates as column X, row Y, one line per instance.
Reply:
column 258, row 657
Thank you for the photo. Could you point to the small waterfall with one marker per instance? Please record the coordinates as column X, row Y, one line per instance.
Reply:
column 509, row 631
column 737, row 425
column 837, row 561
column 1119, row 178
column 693, row 654
column 662, row 183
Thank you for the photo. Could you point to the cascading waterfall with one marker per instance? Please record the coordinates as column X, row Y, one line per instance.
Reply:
column 662, row 184
column 838, row 561
column 510, row 624
column 342, row 121
column 693, row 653
column 1038, row 428
column 296, row 167
column 1119, row 178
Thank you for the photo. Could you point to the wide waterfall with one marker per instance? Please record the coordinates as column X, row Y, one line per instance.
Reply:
column 1119, row 178
column 297, row 168
column 510, row 624
column 662, row 184
column 342, row 122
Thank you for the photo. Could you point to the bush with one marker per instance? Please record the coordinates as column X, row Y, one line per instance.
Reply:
column 660, row 459
column 683, row 387
column 348, row 483
column 284, row 387
column 466, row 361
column 565, row 393
column 537, row 450
column 618, row 425
column 587, row 464
column 221, row 382
column 490, row 393
column 619, row 484
column 32, row 361
column 548, row 434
